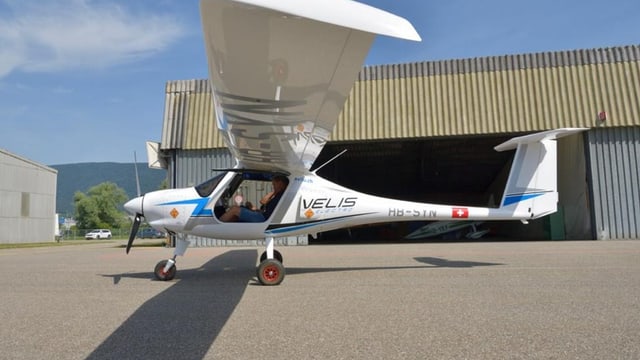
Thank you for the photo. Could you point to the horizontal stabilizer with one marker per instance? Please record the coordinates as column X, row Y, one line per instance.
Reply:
column 532, row 138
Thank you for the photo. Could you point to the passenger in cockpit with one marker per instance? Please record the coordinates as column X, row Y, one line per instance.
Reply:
column 268, row 204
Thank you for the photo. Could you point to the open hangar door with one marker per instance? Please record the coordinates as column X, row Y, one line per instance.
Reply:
column 448, row 170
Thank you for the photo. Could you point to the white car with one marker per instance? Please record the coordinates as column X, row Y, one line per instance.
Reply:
column 98, row 234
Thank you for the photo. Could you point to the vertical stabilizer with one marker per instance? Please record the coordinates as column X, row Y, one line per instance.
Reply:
column 532, row 187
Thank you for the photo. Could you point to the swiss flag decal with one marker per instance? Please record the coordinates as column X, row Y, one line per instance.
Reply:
column 459, row 213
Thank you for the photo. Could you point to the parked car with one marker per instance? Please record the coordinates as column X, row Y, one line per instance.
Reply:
column 98, row 234
column 150, row 233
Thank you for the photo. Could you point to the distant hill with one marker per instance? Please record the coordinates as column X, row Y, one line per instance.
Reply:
column 83, row 176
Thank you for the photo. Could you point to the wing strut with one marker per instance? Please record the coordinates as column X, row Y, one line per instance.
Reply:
column 330, row 160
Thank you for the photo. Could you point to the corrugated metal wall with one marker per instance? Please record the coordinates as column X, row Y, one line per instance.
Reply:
column 527, row 99
column 27, row 200
column 515, row 93
column 189, row 119
column 195, row 166
column 573, row 189
column 615, row 174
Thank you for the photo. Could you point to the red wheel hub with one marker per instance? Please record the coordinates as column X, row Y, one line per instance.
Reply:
column 271, row 273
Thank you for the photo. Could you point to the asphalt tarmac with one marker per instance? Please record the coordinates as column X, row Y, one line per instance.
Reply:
column 482, row 300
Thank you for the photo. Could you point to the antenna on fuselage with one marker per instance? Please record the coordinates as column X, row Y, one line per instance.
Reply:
column 330, row 160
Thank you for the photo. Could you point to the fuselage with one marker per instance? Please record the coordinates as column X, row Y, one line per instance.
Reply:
column 309, row 205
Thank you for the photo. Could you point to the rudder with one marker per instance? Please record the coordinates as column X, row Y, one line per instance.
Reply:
column 532, row 187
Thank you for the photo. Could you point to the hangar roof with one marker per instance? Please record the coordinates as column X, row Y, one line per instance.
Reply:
column 478, row 96
column 16, row 159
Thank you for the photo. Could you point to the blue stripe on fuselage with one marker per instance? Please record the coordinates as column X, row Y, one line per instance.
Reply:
column 199, row 210
column 282, row 228
column 512, row 199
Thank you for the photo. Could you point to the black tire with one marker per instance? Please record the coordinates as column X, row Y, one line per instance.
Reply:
column 270, row 272
column 276, row 255
column 161, row 275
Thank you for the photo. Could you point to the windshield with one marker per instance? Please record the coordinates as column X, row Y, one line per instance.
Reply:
column 206, row 188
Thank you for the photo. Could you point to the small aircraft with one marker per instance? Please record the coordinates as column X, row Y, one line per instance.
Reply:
column 445, row 227
column 280, row 72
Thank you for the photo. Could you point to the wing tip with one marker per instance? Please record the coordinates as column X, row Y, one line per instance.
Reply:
column 346, row 13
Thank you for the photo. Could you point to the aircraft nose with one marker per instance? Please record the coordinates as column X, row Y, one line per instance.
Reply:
column 134, row 206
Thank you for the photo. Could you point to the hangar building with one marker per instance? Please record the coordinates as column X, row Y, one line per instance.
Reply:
column 425, row 132
column 27, row 200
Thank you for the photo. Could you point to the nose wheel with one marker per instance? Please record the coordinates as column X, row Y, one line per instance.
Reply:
column 162, row 273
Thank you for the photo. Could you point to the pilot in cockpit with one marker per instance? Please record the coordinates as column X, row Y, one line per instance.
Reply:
column 268, row 204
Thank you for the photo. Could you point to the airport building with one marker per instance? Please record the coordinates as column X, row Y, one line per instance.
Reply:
column 425, row 132
column 27, row 200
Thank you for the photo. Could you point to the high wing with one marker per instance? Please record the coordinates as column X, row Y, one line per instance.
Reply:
column 281, row 71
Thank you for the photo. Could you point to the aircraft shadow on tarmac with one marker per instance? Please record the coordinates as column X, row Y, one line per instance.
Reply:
column 431, row 262
column 439, row 262
column 184, row 320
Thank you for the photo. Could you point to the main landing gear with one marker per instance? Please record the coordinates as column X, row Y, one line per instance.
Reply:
column 270, row 270
column 276, row 255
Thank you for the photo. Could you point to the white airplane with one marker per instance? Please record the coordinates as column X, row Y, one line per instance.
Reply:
column 280, row 72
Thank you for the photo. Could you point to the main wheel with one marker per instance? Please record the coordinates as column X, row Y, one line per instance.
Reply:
column 161, row 274
column 276, row 255
column 270, row 272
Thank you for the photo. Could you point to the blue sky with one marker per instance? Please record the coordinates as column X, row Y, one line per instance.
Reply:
column 83, row 80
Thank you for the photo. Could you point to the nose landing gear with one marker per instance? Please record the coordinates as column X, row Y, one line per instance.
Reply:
column 165, row 270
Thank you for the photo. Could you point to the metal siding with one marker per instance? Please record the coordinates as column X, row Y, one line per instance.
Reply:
column 573, row 188
column 202, row 131
column 27, row 200
column 196, row 166
column 491, row 102
column 514, row 93
column 172, row 133
column 615, row 172
column 189, row 120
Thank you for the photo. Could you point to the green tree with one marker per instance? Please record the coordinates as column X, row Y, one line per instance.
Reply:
column 100, row 207
column 164, row 184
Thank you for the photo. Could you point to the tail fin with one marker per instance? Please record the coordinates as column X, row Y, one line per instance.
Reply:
column 532, row 187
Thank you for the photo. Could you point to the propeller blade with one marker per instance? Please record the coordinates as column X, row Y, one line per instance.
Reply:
column 134, row 231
